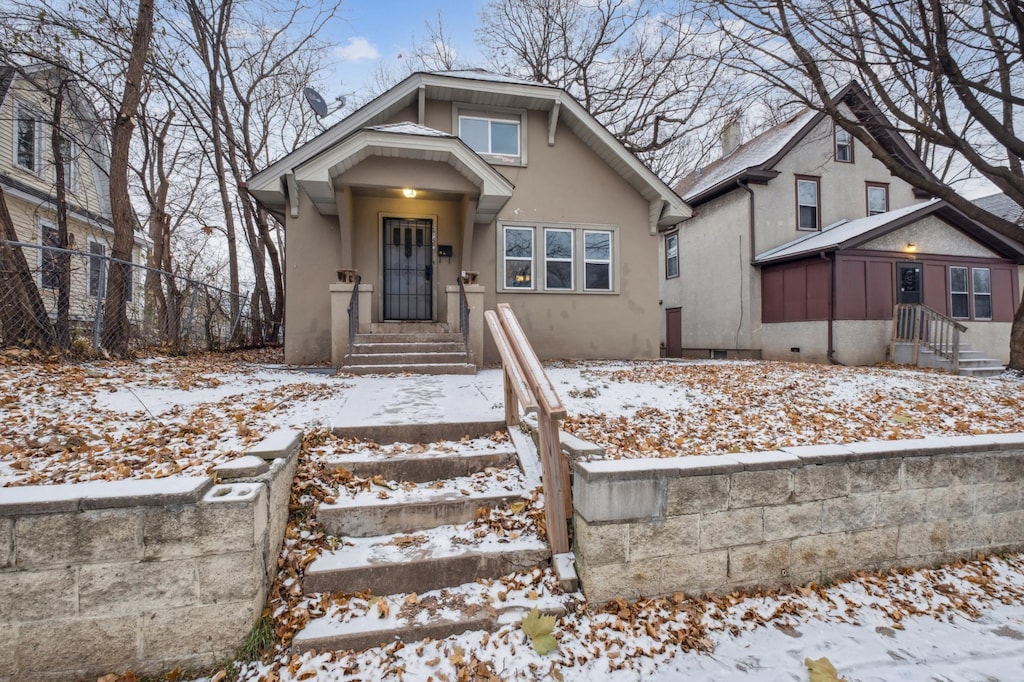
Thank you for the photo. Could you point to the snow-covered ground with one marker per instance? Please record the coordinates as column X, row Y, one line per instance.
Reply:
column 165, row 417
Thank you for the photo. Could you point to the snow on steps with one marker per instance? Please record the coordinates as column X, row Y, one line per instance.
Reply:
column 428, row 352
column 420, row 506
column 407, row 617
column 424, row 537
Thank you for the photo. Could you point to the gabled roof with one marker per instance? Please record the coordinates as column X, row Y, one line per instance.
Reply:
column 269, row 186
column 755, row 160
column 849, row 234
column 1003, row 206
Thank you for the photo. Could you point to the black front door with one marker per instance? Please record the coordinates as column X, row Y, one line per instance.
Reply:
column 910, row 283
column 408, row 269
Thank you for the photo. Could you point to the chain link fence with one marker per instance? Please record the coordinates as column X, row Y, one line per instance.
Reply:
column 164, row 310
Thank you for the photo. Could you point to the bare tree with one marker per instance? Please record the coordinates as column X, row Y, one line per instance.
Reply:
column 948, row 75
column 649, row 75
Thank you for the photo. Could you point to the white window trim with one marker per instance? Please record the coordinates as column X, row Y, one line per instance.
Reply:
column 100, row 284
column 975, row 294
column 579, row 258
column 504, row 258
column 44, row 224
column 668, row 254
column 966, row 292
column 839, row 130
column 601, row 261
column 817, row 203
column 39, row 139
column 571, row 259
column 460, row 110
column 71, row 184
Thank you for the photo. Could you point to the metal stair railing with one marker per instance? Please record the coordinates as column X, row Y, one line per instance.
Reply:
column 527, row 385
column 920, row 325
column 353, row 318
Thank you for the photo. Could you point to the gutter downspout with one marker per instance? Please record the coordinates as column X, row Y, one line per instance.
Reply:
column 742, row 184
column 831, row 305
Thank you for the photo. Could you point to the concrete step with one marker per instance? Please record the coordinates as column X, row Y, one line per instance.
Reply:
column 444, row 368
column 410, row 347
column 408, row 358
column 419, row 433
column 391, row 564
column 408, row 507
column 982, row 371
column 424, row 337
column 437, row 614
column 409, row 328
column 421, row 467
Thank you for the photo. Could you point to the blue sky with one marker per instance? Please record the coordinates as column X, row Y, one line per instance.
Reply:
column 370, row 31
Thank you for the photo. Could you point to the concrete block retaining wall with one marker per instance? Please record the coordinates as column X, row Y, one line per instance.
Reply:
column 718, row 523
column 141, row 575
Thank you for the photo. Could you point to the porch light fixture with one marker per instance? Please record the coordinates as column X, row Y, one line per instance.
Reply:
column 409, row 193
column 911, row 247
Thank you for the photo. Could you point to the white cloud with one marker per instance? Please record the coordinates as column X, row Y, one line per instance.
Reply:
column 356, row 50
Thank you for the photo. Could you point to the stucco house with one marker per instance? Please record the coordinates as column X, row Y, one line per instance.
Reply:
column 507, row 185
column 802, row 244
column 28, row 179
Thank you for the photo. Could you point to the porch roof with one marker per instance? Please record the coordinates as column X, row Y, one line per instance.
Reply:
column 316, row 176
column 849, row 234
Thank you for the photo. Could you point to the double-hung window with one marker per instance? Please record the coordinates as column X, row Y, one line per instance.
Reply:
column 982, row 283
column 597, row 259
column 28, row 138
column 878, row 198
column 970, row 293
column 566, row 258
column 97, row 267
column 494, row 136
column 844, row 145
column 672, row 256
column 69, row 156
column 808, row 207
column 558, row 259
column 50, row 259
column 518, row 249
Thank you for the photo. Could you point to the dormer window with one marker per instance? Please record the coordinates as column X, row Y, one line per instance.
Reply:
column 498, row 136
column 844, row 145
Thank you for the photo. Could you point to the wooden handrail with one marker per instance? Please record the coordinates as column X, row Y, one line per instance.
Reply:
column 527, row 385
column 918, row 324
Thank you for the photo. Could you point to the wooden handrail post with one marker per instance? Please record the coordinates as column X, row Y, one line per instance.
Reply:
column 550, row 451
column 916, row 330
column 956, row 350
column 511, row 402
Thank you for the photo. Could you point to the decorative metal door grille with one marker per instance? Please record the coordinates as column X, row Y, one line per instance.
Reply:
column 408, row 269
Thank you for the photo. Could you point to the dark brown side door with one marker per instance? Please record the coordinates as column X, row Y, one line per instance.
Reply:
column 674, row 332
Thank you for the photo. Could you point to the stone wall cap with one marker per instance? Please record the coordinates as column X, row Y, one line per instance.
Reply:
column 242, row 467
column 64, row 497
column 1007, row 441
column 628, row 469
column 702, row 465
column 772, row 459
column 280, row 443
column 820, row 454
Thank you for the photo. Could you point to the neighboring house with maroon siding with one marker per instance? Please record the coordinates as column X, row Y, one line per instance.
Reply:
column 802, row 243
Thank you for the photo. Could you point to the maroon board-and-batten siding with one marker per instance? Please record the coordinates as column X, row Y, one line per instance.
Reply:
column 866, row 286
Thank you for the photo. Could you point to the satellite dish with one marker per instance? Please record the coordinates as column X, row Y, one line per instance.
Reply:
column 319, row 105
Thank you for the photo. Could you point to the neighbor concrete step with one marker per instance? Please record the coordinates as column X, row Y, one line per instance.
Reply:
column 447, row 368
column 408, row 358
column 982, row 371
column 370, row 517
column 422, row 466
column 380, row 566
column 435, row 614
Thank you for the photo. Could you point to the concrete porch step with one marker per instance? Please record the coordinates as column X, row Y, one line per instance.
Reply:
column 449, row 368
column 429, row 358
column 409, row 328
column 402, row 563
column 409, row 507
column 437, row 614
column 409, row 347
column 421, row 467
column 418, row 337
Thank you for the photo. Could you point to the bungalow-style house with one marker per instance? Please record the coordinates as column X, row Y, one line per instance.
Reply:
column 802, row 244
column 507, row 186
column 28, row 180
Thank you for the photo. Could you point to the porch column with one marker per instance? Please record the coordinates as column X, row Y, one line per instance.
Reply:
column 341, row 297
column 469, row 206
column 475, row 298
column 343, row 198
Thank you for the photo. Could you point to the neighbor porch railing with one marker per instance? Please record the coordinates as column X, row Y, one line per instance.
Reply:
column 464, row 311
column 527, row 385
column 920, row 325
column 353, row 316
